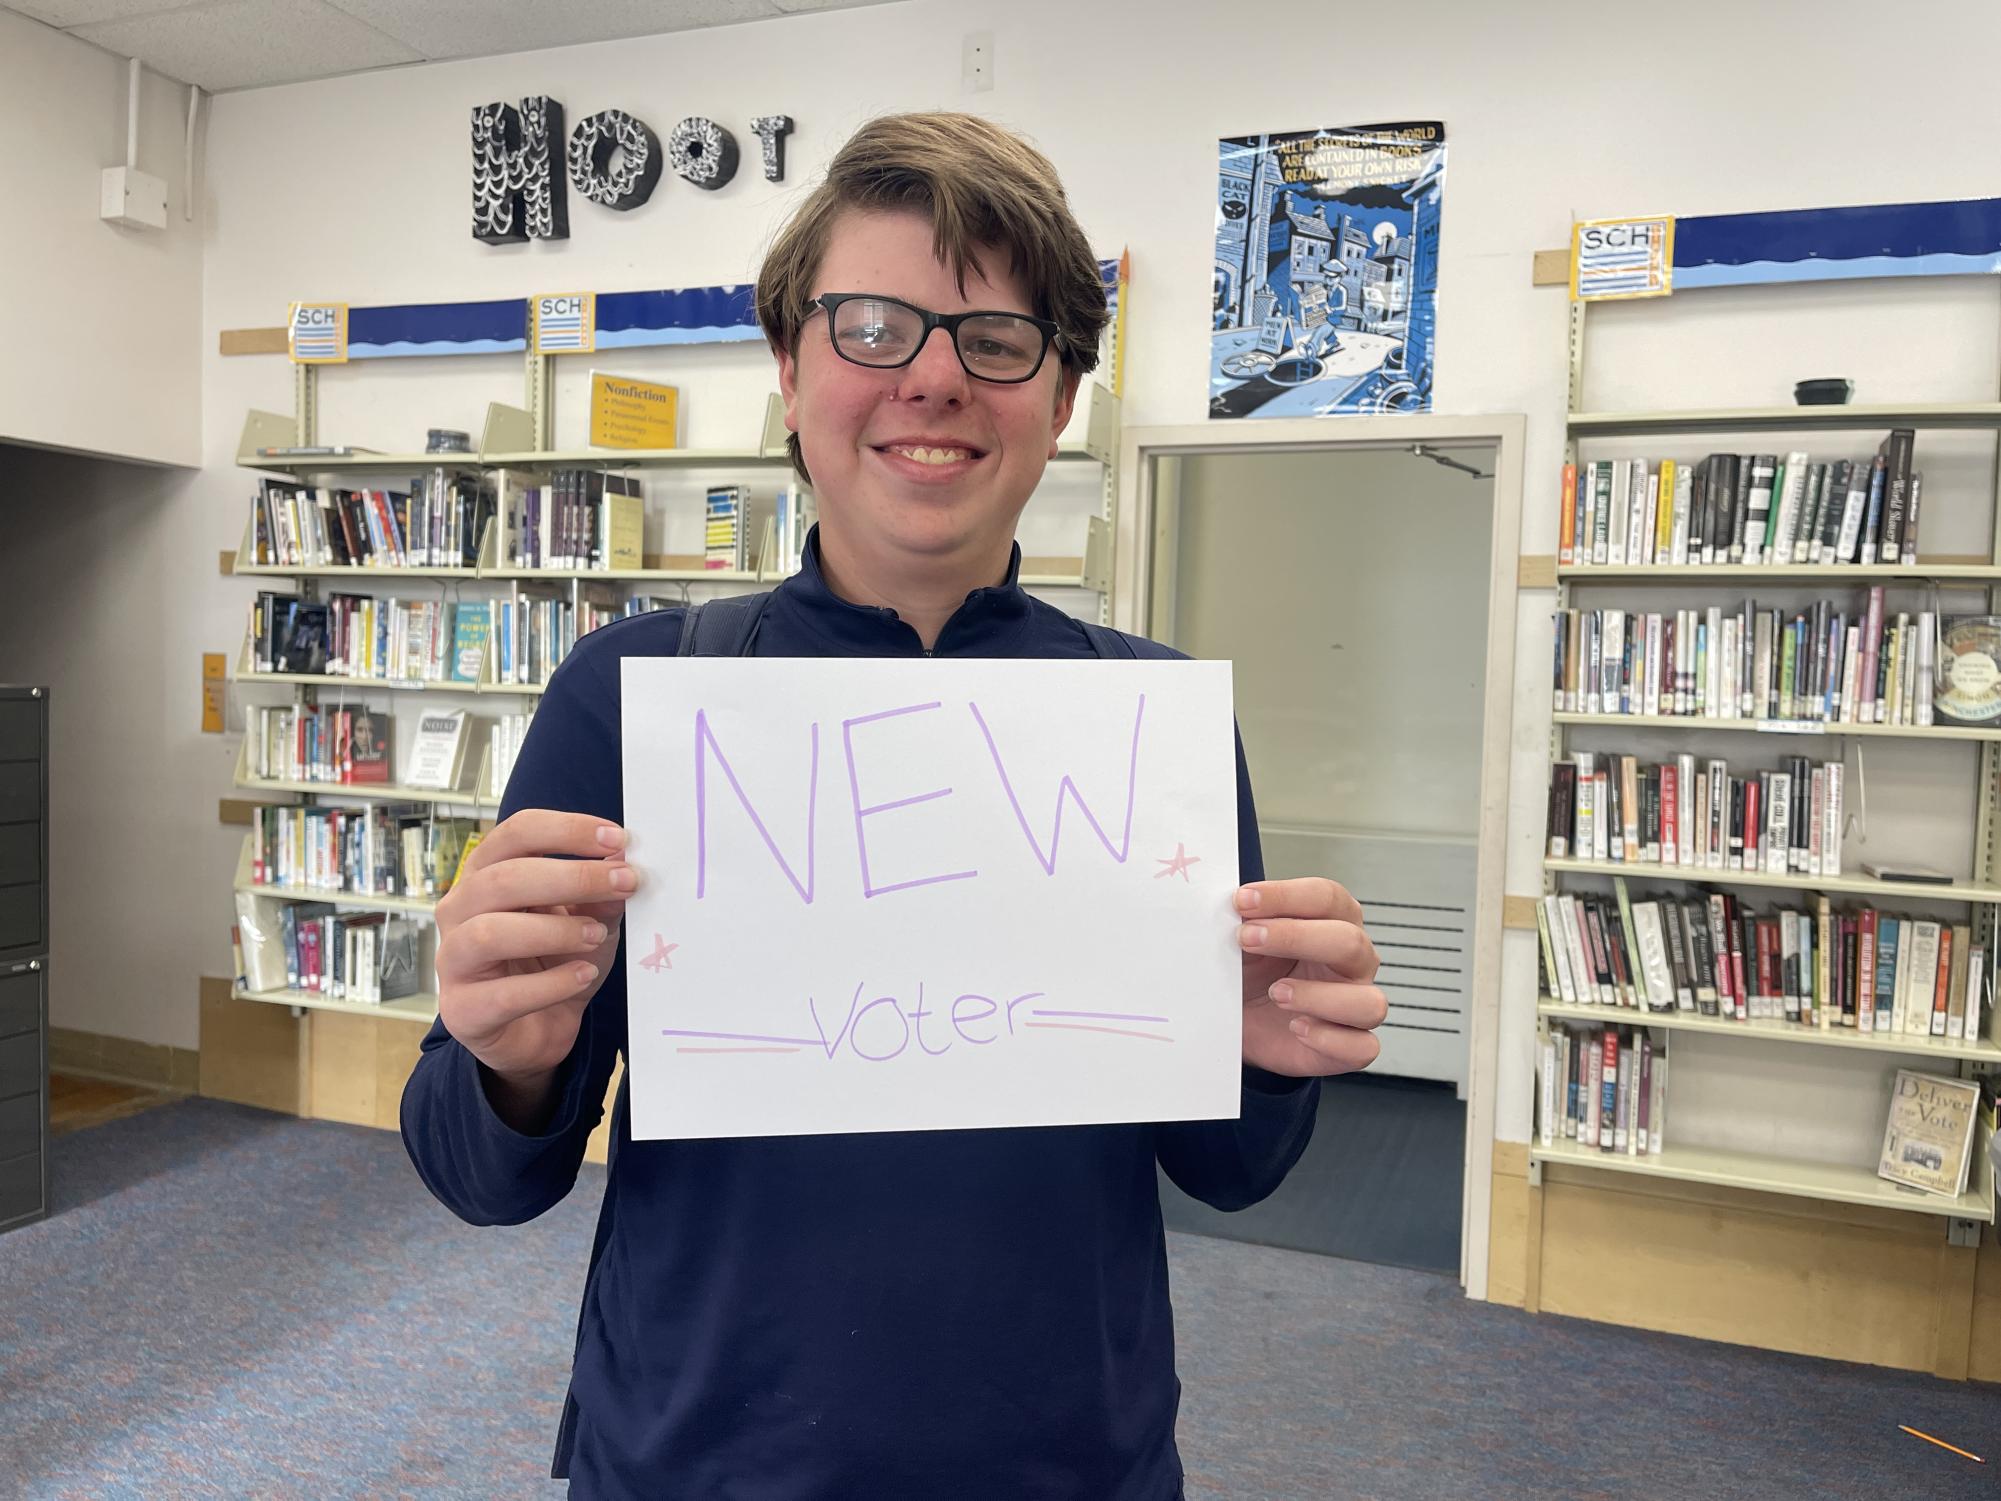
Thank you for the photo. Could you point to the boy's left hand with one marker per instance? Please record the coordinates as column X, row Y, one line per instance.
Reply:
column 1309, row 1005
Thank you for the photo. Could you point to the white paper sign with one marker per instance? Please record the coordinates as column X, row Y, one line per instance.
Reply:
column 907, row 895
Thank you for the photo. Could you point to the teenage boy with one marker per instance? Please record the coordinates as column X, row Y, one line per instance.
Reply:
column 904, row 1316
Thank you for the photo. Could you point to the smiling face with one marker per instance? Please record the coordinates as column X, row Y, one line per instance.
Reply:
column 919, row 472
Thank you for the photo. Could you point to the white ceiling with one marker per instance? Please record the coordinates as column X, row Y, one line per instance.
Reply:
column 248, row 44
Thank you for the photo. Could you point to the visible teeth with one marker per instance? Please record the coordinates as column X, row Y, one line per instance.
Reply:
column 934, row 455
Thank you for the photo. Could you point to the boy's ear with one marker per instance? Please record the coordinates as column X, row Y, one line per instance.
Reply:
column 1066, row 401
column 788, row 387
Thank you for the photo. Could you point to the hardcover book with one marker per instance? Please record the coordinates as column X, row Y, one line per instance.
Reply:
column 1968, row 690
column 439, row 749
column 368, row 745
column 1928, row 1138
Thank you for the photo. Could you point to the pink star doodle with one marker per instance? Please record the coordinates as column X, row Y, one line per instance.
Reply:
column 1178, row 865
column 658, row 960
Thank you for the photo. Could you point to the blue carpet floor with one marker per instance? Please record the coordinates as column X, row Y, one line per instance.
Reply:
column 1380, row 1181
column 233, row 1304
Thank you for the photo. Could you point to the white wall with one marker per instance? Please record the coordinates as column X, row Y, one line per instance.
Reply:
column 100, row 326
column 357, row 188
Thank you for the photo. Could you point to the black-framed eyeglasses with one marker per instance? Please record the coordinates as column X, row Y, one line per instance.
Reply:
column 886, row 334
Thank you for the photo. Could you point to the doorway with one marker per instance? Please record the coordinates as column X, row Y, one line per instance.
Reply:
column 1352, row 587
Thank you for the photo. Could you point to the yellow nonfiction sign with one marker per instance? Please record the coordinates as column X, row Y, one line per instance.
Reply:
column 317, row 333
column 1616, row 258
column 628, row 413
column 214, row 684
column 565, row 322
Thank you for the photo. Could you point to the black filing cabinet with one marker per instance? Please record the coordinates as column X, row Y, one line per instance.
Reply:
column 24, row 955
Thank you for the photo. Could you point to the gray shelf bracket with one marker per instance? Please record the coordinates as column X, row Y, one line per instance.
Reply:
column 1535, row 1173
column 1962, row 1232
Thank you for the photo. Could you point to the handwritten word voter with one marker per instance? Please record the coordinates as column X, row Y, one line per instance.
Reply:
column 972, row 1315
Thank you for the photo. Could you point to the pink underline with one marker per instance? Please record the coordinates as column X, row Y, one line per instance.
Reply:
column 1115, row 1031
column 736, row 1050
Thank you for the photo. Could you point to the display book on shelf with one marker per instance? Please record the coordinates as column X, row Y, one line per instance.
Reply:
column 1623, row 974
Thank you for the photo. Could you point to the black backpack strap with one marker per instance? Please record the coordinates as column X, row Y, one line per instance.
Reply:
column 722, row 627
column 1116, row 644
column 1107, row 642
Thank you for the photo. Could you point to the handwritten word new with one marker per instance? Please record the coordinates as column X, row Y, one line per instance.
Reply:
column 707, row 746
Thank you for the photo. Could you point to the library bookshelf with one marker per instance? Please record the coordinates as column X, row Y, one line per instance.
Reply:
column 1713, row 1234
column 1979, row 892
column 352, row 1057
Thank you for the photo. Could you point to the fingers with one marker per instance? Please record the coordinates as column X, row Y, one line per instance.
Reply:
column 545, row 831
column 488, row 939
column 479, row 1010
column 1343, row 1003
column 1309, row 896
column 1345, row 1048
column 529, row 881
column 1339, row 944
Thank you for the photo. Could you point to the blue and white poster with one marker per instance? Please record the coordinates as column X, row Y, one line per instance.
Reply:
column 1326, row 283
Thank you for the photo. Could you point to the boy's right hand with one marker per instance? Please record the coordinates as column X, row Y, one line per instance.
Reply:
column 525, row 940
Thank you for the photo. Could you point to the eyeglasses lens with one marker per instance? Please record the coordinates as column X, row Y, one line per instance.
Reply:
column 995, row 346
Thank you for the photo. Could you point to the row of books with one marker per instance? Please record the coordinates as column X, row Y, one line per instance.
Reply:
column 389, row 849
column 1696, row 816
column 1602, row 1087
column 725, row 541
column 1821, row 664
column 392, row 640
column 360, row 636
column 581, row 519
column 1710, row 954
column 338, row 746
column 366, row 957
column 350, row 746
column 436, row 524
column 531, row 637
column 1743, row 508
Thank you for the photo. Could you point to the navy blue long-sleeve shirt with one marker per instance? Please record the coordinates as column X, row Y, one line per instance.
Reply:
column 975, row 1314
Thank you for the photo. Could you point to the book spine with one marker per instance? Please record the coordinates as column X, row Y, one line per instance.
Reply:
column 1684, row 484
column 1896, row 496
column 1911, row 518
column 1608, row 1085
column 1872, row 515
column 1855, row 504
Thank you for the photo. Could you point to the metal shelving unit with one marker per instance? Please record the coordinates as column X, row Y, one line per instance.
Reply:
column 1981, row 890
column 1782, row 726
column 422, row 1007
column 1908, row 891
column 1802, row 1179
column 1978, row 1049
column 1921, row 414
column 1942, row 571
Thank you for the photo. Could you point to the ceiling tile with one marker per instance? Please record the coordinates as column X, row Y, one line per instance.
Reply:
column 487, row 28
column 243, row 44
column 67, row 13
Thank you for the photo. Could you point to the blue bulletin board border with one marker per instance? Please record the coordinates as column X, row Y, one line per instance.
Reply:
column 1958, row 238
column 624, row 320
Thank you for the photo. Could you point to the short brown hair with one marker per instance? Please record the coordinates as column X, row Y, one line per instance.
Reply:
column 980, row 185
